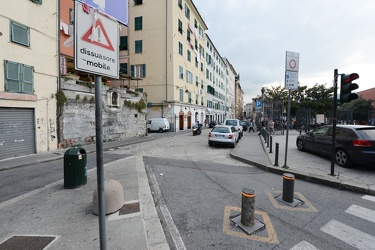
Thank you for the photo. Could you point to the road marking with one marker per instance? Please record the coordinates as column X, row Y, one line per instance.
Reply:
column 361, row 212
column 309, row 207
column 304, row 245
column 228, row 225
column 369, row 197
column 349, row 235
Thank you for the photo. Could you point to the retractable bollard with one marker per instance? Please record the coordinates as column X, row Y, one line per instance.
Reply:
column 270, row 145
column 277, row 155
column 268, row 140
column 248, row 207
column 288, row 188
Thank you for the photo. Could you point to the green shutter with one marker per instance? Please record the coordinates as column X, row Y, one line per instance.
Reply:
column 124, row 68
column 20, row 34
column 28, row 76
column 132, row 70
column 123, row 43
column 144, row 70
column 12, row 80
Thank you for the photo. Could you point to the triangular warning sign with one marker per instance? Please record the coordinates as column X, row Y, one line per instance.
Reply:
column 94, row 35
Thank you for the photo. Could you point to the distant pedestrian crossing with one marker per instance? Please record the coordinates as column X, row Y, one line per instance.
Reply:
column 346, row 233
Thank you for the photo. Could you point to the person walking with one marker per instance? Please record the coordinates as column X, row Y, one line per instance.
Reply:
column 251, row 126
column 271, row 125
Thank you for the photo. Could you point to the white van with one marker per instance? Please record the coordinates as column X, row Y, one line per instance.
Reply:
column 158, row 124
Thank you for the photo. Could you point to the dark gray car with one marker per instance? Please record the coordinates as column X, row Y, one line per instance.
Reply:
column 355, row 144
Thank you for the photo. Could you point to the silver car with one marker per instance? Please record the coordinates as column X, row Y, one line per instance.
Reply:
column 223, row 135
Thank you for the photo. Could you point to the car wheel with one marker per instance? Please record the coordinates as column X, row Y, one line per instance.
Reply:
column 342, row 158
column 300, row 145
column 233, row 145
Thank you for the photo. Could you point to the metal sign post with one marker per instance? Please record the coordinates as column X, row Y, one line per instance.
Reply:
column 334, row 121
column 291, row 83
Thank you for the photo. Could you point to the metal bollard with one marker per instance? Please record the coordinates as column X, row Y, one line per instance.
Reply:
column 268, row 140
column 277, row 155
column 288, row 188
column 270, row 145
column 248, row 207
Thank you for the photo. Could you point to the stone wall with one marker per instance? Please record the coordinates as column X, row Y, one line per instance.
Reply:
column 78, row 116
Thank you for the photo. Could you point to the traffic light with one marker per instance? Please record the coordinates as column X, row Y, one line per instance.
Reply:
column 347, row 86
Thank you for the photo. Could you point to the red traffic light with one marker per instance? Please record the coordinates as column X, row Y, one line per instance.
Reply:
column 351, row 77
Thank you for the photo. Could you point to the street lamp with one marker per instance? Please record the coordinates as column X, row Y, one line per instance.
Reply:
column 263, row 89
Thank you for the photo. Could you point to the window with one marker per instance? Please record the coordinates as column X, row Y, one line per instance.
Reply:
column 201, row 66
column 189, row 97
column 196, row 99
column 137, row 2
column 189, row 76
column 37, row 1
column 19, row 77
column 123, row 43
column 188, row 35
column 196, row 81
column 179, row 26
column 181, row 95
column 138, row 46
column 187, row 12
column 124, row 68
column 71, row 16
column 180, row 4
column 207, row 74
column 114, row 99
column 196, row 24
column 189, row 55
column 138, row 23
column 196, row 62
column 181, row 72
column 180, row 48
column 138, row 70
column 20, row 34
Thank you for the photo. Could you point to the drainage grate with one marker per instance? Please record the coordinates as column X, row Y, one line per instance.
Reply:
column 26, row 242
column 129, row 209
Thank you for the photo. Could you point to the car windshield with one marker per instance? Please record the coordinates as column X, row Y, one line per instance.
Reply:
column 220, row 130
column 243, row 122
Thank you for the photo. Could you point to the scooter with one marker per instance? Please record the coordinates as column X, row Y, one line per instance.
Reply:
column 196, row 129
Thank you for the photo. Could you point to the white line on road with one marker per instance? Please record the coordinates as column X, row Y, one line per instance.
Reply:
column 361, row 212
column 304, row 245
column 369, row 197
column 349, row 235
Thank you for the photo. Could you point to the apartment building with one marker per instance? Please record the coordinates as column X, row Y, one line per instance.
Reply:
column 217, row 84
column 29, row 76
column 231, row 90
column 166, row 45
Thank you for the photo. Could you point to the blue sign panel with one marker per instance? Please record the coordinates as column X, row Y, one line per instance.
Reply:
column 117, row 9
column 258, row 104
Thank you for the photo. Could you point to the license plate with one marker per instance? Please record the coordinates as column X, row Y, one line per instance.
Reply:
column 219, row 135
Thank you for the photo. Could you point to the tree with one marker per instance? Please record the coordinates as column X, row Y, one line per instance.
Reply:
column 361, row 109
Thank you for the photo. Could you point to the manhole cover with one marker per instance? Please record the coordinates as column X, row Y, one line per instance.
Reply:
column 129, row 209
column 26, row 242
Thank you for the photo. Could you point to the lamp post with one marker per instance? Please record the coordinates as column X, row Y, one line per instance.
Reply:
column 261, row 118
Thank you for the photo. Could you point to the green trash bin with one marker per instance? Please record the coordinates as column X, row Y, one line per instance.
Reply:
column 75, row 167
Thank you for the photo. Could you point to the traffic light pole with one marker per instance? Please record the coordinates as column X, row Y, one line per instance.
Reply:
column 334, row 121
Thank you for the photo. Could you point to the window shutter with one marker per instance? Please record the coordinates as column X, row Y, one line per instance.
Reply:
column 144, row 70
column 132, row 70
column 20, row 34
column 27, row 78
column 12, row 81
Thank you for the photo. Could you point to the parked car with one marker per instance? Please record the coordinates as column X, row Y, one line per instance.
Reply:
column 237, row 124
column 355, row 144
column 212, row 124
column 223, row 135
column 245, row 124
column 158, row 124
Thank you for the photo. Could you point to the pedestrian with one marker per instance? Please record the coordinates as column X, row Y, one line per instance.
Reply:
column 205, row 123
column 251, row 126
column 271, row 126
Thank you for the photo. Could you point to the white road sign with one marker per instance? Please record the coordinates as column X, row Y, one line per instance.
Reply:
column 291, row 80
column 96, row 42
column 292, row 61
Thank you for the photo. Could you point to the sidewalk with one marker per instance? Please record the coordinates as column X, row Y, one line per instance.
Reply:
column 303, row 165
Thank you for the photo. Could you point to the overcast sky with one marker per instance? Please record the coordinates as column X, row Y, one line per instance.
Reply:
column 328, row 34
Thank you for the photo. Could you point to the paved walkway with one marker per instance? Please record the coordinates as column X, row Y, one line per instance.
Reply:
column 66, row 213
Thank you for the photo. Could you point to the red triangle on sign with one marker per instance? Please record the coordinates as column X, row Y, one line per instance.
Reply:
column 87, row 36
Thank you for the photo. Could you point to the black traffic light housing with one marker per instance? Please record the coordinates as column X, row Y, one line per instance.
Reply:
column 347, row 86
